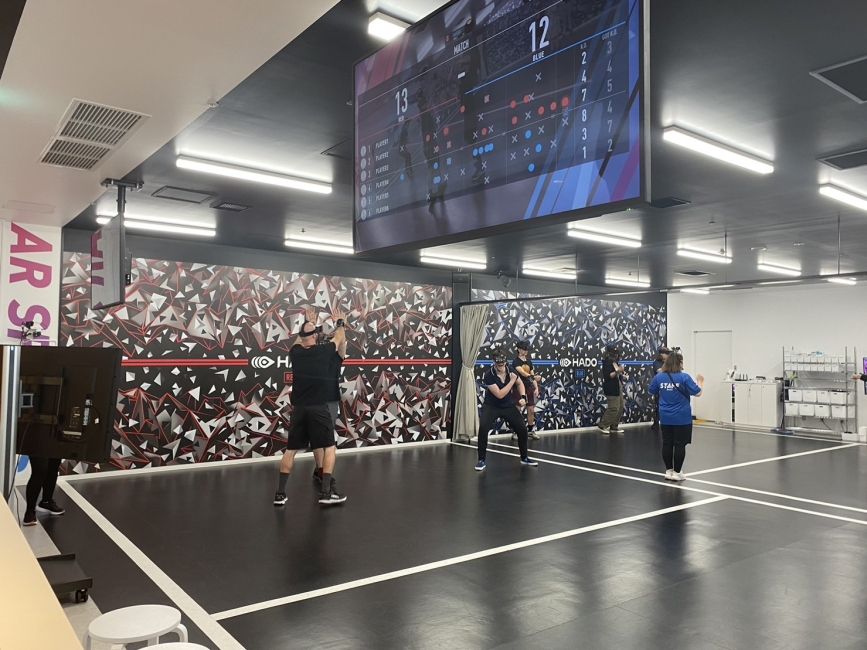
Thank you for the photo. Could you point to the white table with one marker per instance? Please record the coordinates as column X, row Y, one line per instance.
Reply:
column 136, row 623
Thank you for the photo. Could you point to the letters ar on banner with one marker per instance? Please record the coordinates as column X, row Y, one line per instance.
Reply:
column 29, row 282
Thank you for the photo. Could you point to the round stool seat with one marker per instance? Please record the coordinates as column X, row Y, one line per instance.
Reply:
column 136, row 623
column 180, row 646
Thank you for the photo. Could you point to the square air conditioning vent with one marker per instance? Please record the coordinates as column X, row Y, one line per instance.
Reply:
column 847, row 160
column 88, row 133
column 849, row 78
column 180, row 194
column 231, row 207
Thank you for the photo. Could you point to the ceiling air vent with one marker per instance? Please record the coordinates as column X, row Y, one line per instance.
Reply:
column 668, row 202
column 693, row 274
column 231, row 207
column 849, row 78
column 180, row 194
column 848, row 160
column 88, row 133
column 342, row 150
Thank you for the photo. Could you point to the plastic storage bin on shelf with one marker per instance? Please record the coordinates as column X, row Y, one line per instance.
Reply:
column 838, row 412
column 823, row 411
column 823, row 397
column 792, row 408
column 841, row 397
column 796, row 395
column 808, row 396
column 807, row 409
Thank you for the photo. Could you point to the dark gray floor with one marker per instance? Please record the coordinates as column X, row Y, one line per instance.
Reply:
column 721, row 575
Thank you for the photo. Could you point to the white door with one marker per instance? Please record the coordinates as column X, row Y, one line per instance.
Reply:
column 713, row 358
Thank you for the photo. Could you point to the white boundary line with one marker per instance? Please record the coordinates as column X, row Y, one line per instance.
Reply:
column 195, row 612
column 778, row 495
column 215, row 464
column 735, row 429
column 363, row 582
column 679, row 486
column 775, row 458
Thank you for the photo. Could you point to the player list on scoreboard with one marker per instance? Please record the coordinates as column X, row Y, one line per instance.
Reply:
column 498, row 103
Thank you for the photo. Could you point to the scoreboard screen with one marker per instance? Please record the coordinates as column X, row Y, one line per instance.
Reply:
column 495, row 112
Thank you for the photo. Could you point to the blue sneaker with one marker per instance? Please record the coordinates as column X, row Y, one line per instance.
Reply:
column 529, row 462
column 480, row 466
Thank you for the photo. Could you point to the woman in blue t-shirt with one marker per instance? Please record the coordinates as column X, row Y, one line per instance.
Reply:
column 674, row 388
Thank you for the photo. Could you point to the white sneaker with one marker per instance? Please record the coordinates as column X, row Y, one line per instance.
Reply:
column 669, row 475
column 679, row 476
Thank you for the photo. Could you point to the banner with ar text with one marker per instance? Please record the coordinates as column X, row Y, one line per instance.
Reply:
column 29, row 282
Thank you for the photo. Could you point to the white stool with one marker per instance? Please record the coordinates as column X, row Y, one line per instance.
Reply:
column 180, row 646
column 137, row 623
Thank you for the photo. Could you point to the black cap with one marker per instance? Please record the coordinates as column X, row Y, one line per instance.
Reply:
column 664, row 350
column 499, row 356
column 523, row 345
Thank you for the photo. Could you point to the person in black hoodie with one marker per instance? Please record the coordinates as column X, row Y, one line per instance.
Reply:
column 612, row 372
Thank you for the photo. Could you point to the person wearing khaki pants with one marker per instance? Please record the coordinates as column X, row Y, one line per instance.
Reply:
column 612, row 372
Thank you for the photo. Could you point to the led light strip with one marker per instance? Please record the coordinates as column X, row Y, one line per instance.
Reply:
column 704, row 146
column 603, row 238
column 781, row 270
column 704, row 255
column 162, row 227
column 255, row 175
column 453, row 262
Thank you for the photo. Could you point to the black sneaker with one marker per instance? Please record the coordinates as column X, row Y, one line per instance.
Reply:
column 331, row 497
column 317, row 477
column 50, row 507
column 29, row 519
column 280, row 499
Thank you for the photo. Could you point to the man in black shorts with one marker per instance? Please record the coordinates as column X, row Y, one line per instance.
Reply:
column 311, row 421
column 524, row 369
column 333, row 402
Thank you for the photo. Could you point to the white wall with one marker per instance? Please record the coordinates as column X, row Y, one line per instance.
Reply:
column 825, row 318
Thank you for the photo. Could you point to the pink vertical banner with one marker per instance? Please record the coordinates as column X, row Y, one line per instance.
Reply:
column 30, row 257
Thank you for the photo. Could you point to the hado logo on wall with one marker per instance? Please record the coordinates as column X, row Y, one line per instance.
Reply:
column 585, row 362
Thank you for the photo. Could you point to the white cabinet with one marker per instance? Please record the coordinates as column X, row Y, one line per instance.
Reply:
column 757, row 403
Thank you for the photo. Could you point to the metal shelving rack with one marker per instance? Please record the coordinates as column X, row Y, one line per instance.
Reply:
column 816, row 374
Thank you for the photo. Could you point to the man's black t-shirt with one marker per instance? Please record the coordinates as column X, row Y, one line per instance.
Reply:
column 610, row 386
column 518, row 362
column 312, row 374
column 492, row 379
column 336, row 363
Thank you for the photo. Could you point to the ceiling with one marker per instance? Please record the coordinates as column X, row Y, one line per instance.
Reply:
column 739, row 77
column 163, row 58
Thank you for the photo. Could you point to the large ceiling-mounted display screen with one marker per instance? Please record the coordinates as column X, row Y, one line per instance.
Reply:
column 499, row 112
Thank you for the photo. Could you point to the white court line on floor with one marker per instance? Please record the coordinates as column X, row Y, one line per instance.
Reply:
column 775, row 458
column 506, row 548
column 836, row 506
column 238, row 462
column 195, row 612
column 790, row 436
column 678, row 486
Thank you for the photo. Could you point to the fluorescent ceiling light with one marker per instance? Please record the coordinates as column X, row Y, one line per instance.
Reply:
column 707, row 256
column 629, row 293
column 385, row 27
column 604, row 238
column 849, row 198
column 701, row 145
column 546, row 273
column 161, row 227
column 177, row 221
column 847, row 281
column 780, row 282
column 437, row 260
column 315, row 244
column 781, row 270
column 255, row 175
column 720, row 286
column 701, row 292
column 623, row 282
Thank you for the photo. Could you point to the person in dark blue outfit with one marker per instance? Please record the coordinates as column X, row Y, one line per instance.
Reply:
column 498, row 383
column 661, row 356
column 675, row 388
